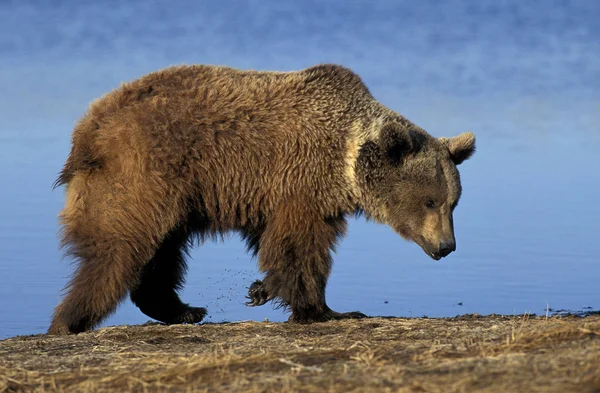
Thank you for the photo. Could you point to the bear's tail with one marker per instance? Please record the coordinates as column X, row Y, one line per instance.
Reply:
column 66, row 174
column 81, row 157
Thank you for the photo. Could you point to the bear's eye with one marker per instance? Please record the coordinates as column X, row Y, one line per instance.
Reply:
column 430, row 203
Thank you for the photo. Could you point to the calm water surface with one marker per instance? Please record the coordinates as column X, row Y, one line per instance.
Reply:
column 523, row 77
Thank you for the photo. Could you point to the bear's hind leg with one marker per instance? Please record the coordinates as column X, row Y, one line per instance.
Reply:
column 100, row 283
column 109, row 258
column 156, row 294
column 112, row 230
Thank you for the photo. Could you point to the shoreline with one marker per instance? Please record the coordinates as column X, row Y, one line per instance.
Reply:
column 465, row 353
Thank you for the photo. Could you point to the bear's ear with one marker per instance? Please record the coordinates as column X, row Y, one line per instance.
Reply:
column 395, row 142
column 461, row 147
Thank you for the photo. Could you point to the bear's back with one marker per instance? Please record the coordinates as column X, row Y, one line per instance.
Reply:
column 239, row 136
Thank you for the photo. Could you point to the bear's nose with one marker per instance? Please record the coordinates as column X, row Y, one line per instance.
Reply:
column 446, row 248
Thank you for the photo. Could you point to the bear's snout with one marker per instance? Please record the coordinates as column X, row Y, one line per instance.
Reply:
column 443, row 250
column 446, row 248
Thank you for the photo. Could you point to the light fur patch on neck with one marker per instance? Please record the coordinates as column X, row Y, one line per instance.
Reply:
column 360, row 132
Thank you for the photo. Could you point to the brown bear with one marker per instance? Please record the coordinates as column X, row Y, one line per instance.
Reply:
column 192, row 152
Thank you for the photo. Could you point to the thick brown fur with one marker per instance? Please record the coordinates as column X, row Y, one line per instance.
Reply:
column 196, row 151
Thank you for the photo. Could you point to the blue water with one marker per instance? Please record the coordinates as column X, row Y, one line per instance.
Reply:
column 524, row 76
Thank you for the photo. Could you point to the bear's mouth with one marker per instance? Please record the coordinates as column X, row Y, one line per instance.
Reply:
column 434, row 256
column 420, row 241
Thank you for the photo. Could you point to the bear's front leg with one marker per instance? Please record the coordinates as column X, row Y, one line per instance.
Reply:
column 294, row 252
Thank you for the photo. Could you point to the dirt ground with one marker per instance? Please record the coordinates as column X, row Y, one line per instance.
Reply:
column 462, row 354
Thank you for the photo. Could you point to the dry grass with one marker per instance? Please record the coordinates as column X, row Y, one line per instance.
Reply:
column 469, row 353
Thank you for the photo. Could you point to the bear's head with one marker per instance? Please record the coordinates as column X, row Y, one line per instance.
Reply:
column 408, row 180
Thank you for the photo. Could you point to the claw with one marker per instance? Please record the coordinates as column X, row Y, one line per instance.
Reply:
column 257, row 295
